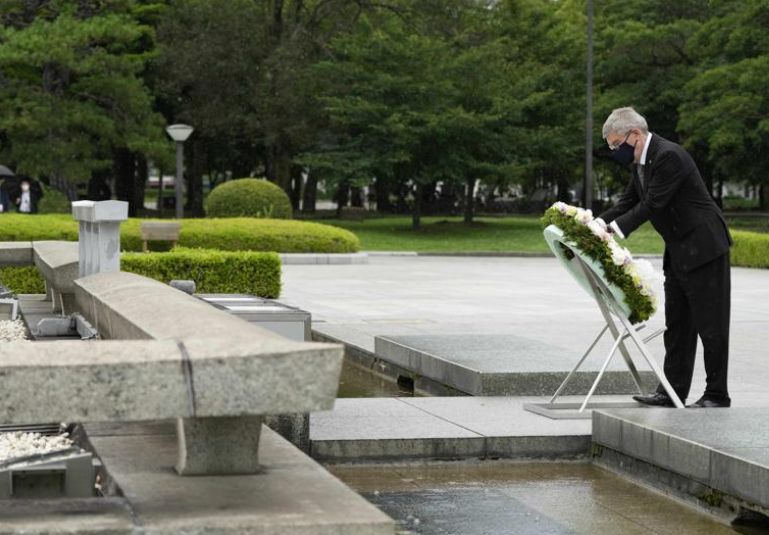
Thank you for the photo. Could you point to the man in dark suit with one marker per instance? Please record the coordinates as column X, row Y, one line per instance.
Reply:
column 667, row 189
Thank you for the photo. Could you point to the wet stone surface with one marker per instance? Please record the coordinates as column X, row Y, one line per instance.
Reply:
column 358, row 382
column 501, row 498
column 443, row 511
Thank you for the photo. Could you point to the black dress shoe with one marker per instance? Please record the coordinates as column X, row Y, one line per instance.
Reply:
column 703, row 403
column 656, row 399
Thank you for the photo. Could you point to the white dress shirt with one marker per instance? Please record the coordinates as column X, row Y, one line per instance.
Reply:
column 642, row 161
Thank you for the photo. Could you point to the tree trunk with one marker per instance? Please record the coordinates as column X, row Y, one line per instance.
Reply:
column 310, row 194
column 763, row 194
column 382, row 190
column 416, row 210
column 469, row 200
column 159, row 206
column 124, row 168
column 356, row 197
column 142, row 173
column 720, row 193
column 194, row 178
column 297, row 181
column 342, row 196
column 279, row 167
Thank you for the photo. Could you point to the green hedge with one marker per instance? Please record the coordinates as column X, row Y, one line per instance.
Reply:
column 213, row 271
column 750, row 249
column 232, row 234
column 248, row 197
column 22, row 279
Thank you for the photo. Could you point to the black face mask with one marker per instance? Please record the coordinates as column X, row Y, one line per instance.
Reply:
column 624, row 154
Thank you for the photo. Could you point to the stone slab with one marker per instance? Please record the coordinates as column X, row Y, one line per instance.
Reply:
column 16, row 253
column 292, row 495
column 74, row 381
column 95, row 211
column 128, row 380
column 387, row 428
column 91, row 516
column 128, row 306
column 725, row 449
column 323, row 258
column 218, row 446
column 503, row 364
column 376, row 429
column 57, row 262
column 262, row 376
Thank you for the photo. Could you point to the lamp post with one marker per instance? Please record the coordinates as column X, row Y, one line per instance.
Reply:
column 179, row 133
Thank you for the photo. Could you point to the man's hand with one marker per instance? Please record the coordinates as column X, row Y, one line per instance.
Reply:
column 602, row 224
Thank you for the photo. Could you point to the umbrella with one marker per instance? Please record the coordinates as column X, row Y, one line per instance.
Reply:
column 4, row 171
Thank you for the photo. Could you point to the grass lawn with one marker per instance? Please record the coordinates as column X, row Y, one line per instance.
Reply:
column 451, row 235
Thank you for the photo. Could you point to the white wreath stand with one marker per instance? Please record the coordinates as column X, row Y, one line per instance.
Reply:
column 618, row 324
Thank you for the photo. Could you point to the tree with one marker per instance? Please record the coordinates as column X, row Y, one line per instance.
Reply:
column 725, row 115
column 645, row 60
column 72, row 90
column 411, row 101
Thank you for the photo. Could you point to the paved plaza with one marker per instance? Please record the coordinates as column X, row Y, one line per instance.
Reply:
column 531, row 298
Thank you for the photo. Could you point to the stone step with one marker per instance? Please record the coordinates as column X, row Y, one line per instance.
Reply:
column 717, row 457
column 399, row 429
column 504, row 364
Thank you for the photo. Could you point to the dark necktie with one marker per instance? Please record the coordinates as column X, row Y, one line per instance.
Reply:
column 641, row 177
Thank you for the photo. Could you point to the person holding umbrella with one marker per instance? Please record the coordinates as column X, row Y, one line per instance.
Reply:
column 28, row 195
column 5, row 200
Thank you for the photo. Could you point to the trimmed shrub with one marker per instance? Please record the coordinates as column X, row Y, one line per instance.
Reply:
column 248, row 197
column 750, row 249
column 22, row 279
column 249, row 234
column 37, row 227
column 212, row 271
column 235, row 234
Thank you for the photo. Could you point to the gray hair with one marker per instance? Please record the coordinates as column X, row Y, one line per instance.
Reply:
column 623, row 120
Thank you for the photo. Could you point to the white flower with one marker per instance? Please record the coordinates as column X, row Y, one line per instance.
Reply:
column 560, row 206
column 584, row 216
column 619, row 255
column 598, row 230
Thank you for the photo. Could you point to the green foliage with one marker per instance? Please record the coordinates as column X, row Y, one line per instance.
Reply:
column 212, row 271
column 641, row 306
column 232, row 234
column 251, row 234
column 22, row 279
column 72, row 90
column 54, row 202
column 750, row 249
column 37, row 227
column 725, row 107
column 248, row 197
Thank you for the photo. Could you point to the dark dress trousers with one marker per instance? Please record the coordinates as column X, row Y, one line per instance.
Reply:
column 669, row 191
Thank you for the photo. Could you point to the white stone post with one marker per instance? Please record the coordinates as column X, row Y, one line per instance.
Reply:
column 99, row 235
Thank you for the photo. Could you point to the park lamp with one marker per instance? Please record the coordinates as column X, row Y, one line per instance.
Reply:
column 179, row 133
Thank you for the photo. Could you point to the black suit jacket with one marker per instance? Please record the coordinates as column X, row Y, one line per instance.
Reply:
column 677, row 203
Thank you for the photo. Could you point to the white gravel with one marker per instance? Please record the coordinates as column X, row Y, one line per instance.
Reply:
column 20, row 444
column 11, row 331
